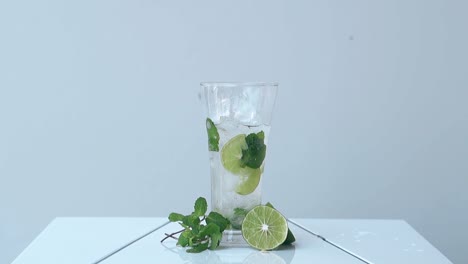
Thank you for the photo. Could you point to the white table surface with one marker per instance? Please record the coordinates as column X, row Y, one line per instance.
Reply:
column 84, row 240
column 308, row 249
column 109, row 241
column 378, row 241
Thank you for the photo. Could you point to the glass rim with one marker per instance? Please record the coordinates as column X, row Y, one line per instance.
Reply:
column 239, row 84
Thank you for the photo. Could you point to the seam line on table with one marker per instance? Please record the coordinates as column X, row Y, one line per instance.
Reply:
column 329, row 242
column 129, row 243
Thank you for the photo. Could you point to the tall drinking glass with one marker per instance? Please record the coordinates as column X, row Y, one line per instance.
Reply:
column 238, row 125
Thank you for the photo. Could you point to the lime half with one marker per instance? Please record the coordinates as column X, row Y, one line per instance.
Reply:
column 264, row 228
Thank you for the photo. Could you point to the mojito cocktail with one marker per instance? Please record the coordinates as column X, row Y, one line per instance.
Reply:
column 238, row 126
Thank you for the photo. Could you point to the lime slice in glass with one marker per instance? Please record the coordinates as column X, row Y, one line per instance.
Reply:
column 231, row 155
column 249, row 183
column 264, row 228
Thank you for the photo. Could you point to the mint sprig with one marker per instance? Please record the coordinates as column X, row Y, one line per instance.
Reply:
column 200, row 231
column 255, row 152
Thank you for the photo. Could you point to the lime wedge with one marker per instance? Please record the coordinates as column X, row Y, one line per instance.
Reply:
column 231, row 155
column 264, row 228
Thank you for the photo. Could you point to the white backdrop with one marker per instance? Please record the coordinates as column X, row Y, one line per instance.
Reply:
column 99, row 113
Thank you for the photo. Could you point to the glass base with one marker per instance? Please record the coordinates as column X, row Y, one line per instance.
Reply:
column 233, row 238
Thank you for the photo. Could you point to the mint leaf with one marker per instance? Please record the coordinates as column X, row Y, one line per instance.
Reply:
column 191, row 221
column 290, row 237
column 184, row 238
column 209, row 229
column 255, row 153
column 217, row 219
column 213, row 135
column 240, row 212
column 239, row 215
column 215, row 239
column 174, row 217
column 200, row 206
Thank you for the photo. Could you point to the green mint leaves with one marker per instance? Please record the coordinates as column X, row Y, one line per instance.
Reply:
column 213, row 135
column 217, row 219
column 197, row 235
column 200, row 207
column 255, row 153
column 239, row 215
column 252, row 156
column 240, row 212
